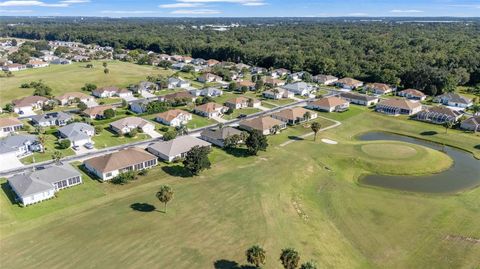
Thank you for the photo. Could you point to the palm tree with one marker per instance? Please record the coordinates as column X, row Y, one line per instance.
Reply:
column 275, row 129
column 181, row 130
column 307, row 116
column 476, row 109
column 447, row 125
column 165, row 195
column 315, row 128
column 256, row 255
column 289, row 258
column 42, row 140
column 57, row 156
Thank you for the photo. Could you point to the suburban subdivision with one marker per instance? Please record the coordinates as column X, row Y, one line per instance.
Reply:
column 139, row 153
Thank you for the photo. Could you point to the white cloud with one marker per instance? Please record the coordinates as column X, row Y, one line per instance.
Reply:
column 75, row 1
column 254, row 4
column 405, row 11
column 180, row 5
column 15, row 11
column 195, row 11
column 30, row 3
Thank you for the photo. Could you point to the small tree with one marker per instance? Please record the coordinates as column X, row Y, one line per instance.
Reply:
column 64, row 144
column 315, row 128
column 256, row 255
column 124, row 103
column 82, row 106
column 307, row 116
column 289, row 258
column 232, row 86
column 124, row 178
column 181, row 130
column 169, row 135
column 132, row 133
column 39, row 130
column 42, row 140
column 165, row 195
column 196, row 159
column 308, row 265
column 98, row 129
column 104, row 64
column 9, row 107
column 89, row 87
column 255, row 142
column 447, row 125
column 57, row 156
column 109, row 113
column 106, row 71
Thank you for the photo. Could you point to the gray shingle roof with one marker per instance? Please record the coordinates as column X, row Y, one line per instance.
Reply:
column 41, row 180
column 178, row 145
column 220, row 134
column 76, row 131
column 12, row 143
column 58, row 116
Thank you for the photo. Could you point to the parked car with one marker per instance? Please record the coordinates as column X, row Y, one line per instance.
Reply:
column 88, row 146
column 241, row 116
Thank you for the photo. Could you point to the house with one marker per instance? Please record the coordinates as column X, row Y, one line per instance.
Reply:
column 140, row 106
column 241, row 66
column 52, row 119
column 177, row 83
column 438, row 115
column 111, row 165
column 349, row 83
column 453, row 99
column 277, row 73
column 209, row 77
column 412, row 94
column 176, row 148
column 378, row 88
column 329, row 104
column 325, row 79
column 212, row 62
column 27, row 105
column 297, row 76
column 105, row 92
column 199, row 61
column 178, row 66
column 273, row 81
column 177, row 58
column 60, row 61
column 145, row 86
column 211, row 92
column 40, row 185
column 14, row 67
column 299, row 88
column 19, row 145
column 278, row 93
column 125, row 125
column 36, row 64
column 72, row 97
column 471, row 124
column 265, row 125
column 217, row 136
column 182, row 96
column 174, row 117
column 78, row 133
column 242, row 102
column 210, row 110
column 359, row 99
column 80, row 58
column 96, row 112
column 398, row 106
column 294, row 115
column 246, row 83
column 9, row 126
column 258, row 70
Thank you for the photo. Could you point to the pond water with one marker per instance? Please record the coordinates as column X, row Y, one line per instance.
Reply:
column 464, row 174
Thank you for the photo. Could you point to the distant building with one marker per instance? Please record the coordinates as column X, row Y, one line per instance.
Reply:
column 329, row 104
column 176, row 148
column 125, row 125
column 324, row 79
column 398, row 106
column 453, row 99
column 78, row 133
column 9, row 126
column 217, row 136
column 210, row 110
column 294, row 115
column 174, row 117
column 438, row 115
column 359, row 99
column 264, row 125
column 52, row 119
column 349, row 83
column 412, row 94
column 471, row 124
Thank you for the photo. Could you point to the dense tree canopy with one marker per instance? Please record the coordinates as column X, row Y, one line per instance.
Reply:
column 391, row 51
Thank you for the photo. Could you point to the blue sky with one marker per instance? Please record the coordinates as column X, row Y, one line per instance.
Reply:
column 240, row 8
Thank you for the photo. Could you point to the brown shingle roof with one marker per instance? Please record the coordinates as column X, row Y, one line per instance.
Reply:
column 129, row 121
column 263, row 123
column 96, row 110
column 292, row 113
column 400, row 103
column 349, row 81
column 69, row 95
column 331, row 101
column 29, row 100
column 413, row 92
column 208, row 107
column 171, row 114
column 4, row 122
column 118, row 160
column 178, row 95
column 379, row 86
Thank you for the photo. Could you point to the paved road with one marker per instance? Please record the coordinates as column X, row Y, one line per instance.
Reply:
column 144, row 143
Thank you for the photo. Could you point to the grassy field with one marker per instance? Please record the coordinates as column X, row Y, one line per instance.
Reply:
column 51, row 146
column 68, row 78
column 304, row 195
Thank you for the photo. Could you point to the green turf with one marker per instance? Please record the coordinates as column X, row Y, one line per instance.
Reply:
column 108, row 138
column 68, row 78
column 50, row 147
column 303, row 195
column 238, row 112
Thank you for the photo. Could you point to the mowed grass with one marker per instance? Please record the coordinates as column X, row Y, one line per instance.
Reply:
column 68, row 78
column 304, row 195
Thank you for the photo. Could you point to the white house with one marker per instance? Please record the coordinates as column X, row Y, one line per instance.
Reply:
column 27, row 105
column 177, row 83
column 242, row 102
column 9, row 126
column 277, row 93
column 210, row 110
column 125, row 125
column 176, row 148
column 174, row 117
column 453, row 99
column 78, row 133
column 329, row 104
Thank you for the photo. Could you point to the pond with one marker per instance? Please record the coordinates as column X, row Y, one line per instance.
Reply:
column 464, row 173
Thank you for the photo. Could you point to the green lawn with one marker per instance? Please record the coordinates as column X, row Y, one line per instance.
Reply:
column 238, row 112
column 199, row 121
column 303, row 195
column 109, row 139
column 68, row 78
column 50, row 147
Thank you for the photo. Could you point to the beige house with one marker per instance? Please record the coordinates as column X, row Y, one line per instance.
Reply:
column 210, row 110
column 278, row 93
column 378, row 88
column 412, row 94
column 96, row 112
column 242, row 102
column 329, row 104
column 71, row 97
column 9, row 125
column 176, row 148
column 27, row 105
column 294, row 115
column 174, row 117
column 125, row 125
column 265, row 125
column 349, row 83
column 398, row 106
column 111, row 165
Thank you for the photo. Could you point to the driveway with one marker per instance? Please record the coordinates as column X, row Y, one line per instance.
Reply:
column 91, row 103
column 153, row 134
column 262, row 108
column 9, row 162
column 82, row 150
column 221, row 120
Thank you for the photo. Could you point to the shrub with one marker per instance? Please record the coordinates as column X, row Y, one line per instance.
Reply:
column 64, row 144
